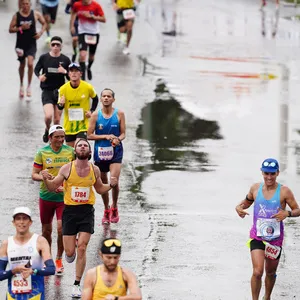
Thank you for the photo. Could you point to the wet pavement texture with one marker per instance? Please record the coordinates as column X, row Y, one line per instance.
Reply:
column 207, row 97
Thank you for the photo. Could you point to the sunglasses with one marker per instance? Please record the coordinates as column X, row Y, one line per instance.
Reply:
column 269, row 164
column 109, row 243
column 55, row 44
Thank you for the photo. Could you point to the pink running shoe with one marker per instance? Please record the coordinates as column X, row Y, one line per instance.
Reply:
column 106, row 219
column 114, row 216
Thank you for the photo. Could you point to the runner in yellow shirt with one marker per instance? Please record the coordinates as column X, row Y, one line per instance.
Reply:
column 74, row 98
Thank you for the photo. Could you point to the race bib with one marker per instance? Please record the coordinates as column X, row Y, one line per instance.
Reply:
column 90, row 39
column 268, row 229
column 128, row 14
column 80, row 194
column 106, row 153
column 75, row 114
column 272, row 251
column 20, row 52
column 20, row 285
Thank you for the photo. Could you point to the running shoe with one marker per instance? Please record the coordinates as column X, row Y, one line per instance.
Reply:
column 89, row 74
column 59, row 266
column 123, row 38
column 48, row 40
column 46, row 136
column 76, row 291
column 114, row 215
column 126, row 51
column 70, row 259
column 21, row 92
column 106, row 217
column 28, row 91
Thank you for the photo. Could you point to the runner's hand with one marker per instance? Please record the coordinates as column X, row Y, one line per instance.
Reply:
column 60, row 189
column 46, row 175
column 62, row 100
column 61, row 69
column 26, row 273
column 110, row 137
column 115, row 142
column 73, row 30
column 281, row 215
column 240, row 210
column 37, row 35
column 87, row 14
column 42, row 78
column 113, row 181
column 110, row 297
column 115, row 6
column 19, row 269
column 88, row 114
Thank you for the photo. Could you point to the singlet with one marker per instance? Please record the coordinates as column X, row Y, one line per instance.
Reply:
column 101, row 290
column 49, row 3
column 103, row 149
column 79, row 190
column 47, row 158
column 88, row 25
column 125, row 3
column 264, row 227
column 76, row 104
column 21, row 254
column 26, row 39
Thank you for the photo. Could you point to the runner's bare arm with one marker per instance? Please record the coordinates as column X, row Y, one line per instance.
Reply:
column 36, row 174
column 132, row 284
column 42, row 21
column 290, row 200
column 72, row 20
column 99, row 186
column 44, row 248
column 89, row 283
column 247, row 202
column 53, row 184
column 13, row 25
column 122, row 125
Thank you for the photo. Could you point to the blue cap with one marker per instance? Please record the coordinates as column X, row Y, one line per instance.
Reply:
column 270, row 165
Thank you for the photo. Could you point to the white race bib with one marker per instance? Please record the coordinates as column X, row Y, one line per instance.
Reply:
column 80, row 194
column 75, row 114
column 90, row 39
column 20, row 52
column 128, row 14
column 106, row 153
column 272, row 251
column 268, row 229
column 20, row 285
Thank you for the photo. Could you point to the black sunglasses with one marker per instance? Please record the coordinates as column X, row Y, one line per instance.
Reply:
column 55, row 44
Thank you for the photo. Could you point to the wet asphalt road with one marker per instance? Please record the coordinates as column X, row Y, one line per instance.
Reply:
column 203, row 109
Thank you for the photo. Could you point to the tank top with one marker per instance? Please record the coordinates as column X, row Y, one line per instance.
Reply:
column 264, row 227
column 103, row 150
column 101, row 290
column 125, row 3
column 79, row 190
column 26, row 39
column 21, row 254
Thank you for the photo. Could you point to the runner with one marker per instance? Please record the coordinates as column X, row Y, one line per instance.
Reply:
column 54, row 67
column 266, row 236
column 109, row 280
column 78, row 217
column 74, row 98
column 24, row 24
column 125, row 18
column 49, row 9
column 264, row 3
column 28, row 257
column 107, row 128
column 75, row 35
column 89, row 13
column 52, row 157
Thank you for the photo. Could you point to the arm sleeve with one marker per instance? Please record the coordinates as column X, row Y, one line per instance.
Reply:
column 3, row 273
column 94, row 103
column 68, row 8
column 100, row 11
column 49, row 268
column 38, row 67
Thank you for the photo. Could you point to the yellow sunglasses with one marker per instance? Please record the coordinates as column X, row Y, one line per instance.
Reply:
column 109, row 243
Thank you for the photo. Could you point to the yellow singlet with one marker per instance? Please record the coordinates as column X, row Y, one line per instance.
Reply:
column 125, row 3
column 79, row 190
column 101, row 290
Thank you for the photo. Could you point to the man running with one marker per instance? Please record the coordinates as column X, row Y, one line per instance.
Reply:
column 49, row 9
column 54, row 66
column 28, row 257
column 266, row 236
column 80, row 177
column 24, row 24
column 125, row 18
column 74, row 98
column 107, row 128
column 109, row 280
column 52, row 157
column 89, row 13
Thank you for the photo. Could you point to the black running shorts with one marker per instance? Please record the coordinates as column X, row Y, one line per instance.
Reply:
column 256, row 244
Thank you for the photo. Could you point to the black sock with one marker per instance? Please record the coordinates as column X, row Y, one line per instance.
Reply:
column 76, row 282
column 74, row 49
column 90, row 63
column 82, row 66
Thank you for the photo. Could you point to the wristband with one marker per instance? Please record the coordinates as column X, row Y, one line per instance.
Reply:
column 119, row 140
column 35, row 271
column 290, row 213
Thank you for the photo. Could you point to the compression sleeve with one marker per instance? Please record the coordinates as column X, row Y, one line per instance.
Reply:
column 68, row 8
column 38, row 67
column 94, row 103
column 3, row 273
column 48, row 270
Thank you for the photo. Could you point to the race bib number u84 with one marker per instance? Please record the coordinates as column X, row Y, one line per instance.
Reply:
column 20, row 285
column 80, row 194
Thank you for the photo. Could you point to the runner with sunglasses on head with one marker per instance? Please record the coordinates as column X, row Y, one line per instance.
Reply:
column 54, row 67
column 52, row 157
column 28, row 257
column 270, row 199
column 79, row 177
column 89, row 13
column 74, row 98
column 110, row 281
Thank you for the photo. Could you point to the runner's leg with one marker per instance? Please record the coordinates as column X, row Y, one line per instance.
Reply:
column 271, row 267
column 83, row 240
column 115, row 170
column 258, row 259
